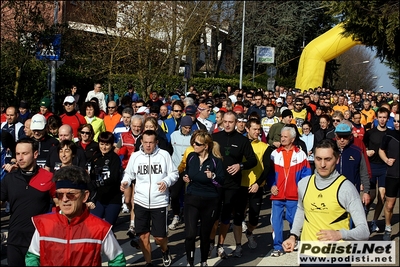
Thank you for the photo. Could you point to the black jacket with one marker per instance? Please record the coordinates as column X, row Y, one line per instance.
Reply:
column 233, row 146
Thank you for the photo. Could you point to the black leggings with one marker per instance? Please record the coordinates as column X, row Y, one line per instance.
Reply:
column 205, row 209
column 175, row 192
column 254, row 200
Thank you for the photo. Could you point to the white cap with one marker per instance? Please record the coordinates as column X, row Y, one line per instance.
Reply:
column 279, row 100
column 69, row 99
column 143, row 109
column 38, row 122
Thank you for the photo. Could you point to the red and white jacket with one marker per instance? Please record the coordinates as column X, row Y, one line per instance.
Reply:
column 79, row 242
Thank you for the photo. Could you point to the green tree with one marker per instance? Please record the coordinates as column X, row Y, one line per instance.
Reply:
column 285, row 25
column 373, row 23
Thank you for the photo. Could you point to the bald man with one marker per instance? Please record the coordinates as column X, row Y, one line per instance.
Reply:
column 53, row 161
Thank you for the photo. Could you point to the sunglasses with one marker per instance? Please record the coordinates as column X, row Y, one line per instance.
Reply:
column 336, row 120
column 198, row 144
column 70, row 195
column 298, row 104
column 68, row 104
column 343, row 136
column 111, row 107
column 396, row 120
column 177, row 110
column 82, row 132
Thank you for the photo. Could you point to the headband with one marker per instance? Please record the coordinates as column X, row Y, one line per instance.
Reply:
column 69, row 184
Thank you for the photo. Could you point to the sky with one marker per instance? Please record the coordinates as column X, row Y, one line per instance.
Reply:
column 384, row 83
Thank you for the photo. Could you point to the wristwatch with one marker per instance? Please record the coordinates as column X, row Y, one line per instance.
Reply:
column 241, row 166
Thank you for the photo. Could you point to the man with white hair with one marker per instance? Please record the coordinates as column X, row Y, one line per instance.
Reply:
column 290, row 165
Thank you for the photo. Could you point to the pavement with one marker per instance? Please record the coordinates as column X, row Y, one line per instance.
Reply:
column 251, row 257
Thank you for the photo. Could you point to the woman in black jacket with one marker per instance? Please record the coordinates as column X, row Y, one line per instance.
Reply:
column 86, row 142
column 105, row 174
column 204, row 174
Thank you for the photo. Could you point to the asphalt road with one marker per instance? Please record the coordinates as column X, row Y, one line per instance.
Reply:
column 251, row 257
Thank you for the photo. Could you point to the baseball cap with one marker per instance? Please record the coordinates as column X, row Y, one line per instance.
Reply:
column 175, row 97
column 343, row 129
column 186, row 121
column 279, row 100
column 69, row 99
column 286, row 112
column 142, row 110
column 38, row 122
column 191, row 110
column 238, row 108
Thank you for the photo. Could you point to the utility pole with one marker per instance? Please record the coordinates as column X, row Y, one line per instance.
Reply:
column 242, row 50
column 53, row 65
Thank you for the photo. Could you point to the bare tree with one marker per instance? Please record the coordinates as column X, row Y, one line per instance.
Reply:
column 22, row 24
column 356, row 70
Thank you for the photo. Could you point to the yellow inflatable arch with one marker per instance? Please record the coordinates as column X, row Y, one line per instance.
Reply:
column 322, row 49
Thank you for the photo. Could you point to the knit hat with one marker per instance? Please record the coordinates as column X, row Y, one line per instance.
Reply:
column 45, row 102
column 287, row 112
column 23, row 104
column 186, row 121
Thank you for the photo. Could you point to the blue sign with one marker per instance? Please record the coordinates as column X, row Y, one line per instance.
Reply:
column 265, row 54
column 49, row 48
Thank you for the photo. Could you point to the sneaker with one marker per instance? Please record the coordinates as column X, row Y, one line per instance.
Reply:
column 276, row 253
column 244, row 227
column 135, row 242
column 131, row 232
column 166, row 257
column 251, row 242
column 374, row 227
column 174, row 223
column 211, row 249
column 237, row 253
column 188, row 264
column 125, row 210
column 221, row 253
column 203, row 264
column 386, row 235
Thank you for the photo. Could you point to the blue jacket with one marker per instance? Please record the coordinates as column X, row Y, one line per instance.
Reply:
column 352, row 164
